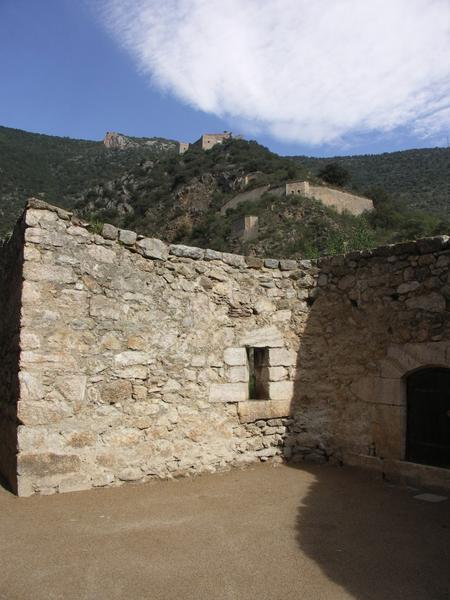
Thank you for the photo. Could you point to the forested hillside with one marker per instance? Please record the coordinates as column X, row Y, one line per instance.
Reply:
column 421, row 178
column 57, row 169
column 148, row 187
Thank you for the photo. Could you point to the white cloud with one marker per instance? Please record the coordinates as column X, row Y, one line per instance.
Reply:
column 311, row 71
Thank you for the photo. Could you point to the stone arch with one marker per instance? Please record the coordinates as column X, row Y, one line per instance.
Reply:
column 386, row 392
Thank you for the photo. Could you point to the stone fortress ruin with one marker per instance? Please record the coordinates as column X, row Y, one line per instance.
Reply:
column 126, row 359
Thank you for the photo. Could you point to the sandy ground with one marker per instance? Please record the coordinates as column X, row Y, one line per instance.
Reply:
column 278, row 533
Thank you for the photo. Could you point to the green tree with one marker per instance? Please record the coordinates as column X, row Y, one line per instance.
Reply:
column 335, row 174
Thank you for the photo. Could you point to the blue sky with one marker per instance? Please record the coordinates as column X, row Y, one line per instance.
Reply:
column 69, row 69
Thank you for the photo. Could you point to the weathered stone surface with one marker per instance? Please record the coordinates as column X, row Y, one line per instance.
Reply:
column 213, row 255
column 107, row 308
column 281, row 390
column 50, row 273
column 136, row 368
column 101, row 254
column 42, row 465
column 254, row 263
column 127, row 237
column 288, row 265
column 271, row 263
column 152, row 248
column 235, row 356
column 261, row 338
column 112, row 392
column 252, row 410
column 238, row 374
column 433, row 302
column 131, row 357
column 109, row 232
column 187, row 251
column 228, row 392
column 282, row 357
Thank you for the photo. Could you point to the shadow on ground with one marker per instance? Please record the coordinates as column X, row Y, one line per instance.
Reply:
column 375, row 540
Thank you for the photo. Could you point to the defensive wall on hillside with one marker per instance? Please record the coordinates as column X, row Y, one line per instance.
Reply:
column 125, row 359
column 337, row 199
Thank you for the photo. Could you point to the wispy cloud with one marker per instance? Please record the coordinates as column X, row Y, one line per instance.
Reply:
column 310, row 71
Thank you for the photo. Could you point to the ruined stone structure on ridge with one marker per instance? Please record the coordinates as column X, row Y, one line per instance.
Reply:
column 125, row 359
column 209, row 140
column 339, row 200
column 182, row 147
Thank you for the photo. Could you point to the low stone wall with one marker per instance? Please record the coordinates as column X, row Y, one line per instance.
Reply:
column 135, row 356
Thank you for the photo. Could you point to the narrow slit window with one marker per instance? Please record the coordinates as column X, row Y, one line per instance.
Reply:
column 258, row 373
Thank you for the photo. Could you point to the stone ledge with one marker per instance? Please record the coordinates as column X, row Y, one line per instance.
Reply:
column 252, row 410
column 401, row 471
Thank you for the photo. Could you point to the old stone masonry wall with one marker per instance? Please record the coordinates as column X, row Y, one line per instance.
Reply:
column 141, row 360
column 133, row 356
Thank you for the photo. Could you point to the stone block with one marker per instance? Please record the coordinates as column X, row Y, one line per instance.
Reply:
column 433, row 302
column 288, row 265
column 262, row 338
column 235, row 357
column 254, row 263
column 212, row 255
column 45, row 464
column 238, row 374
column 234, row 260
column 132, row 357
column 127, row 237
column 109, row 232
column 228, row 392
column 389, row 430
column 281, row 390
column 31, row 387
column 153, row 248
column 434, row 244
column 253, row 410
column 264, row 305
column 42, row 413
column 102, row 254
column 35, row 216
column 107, row 308
column 133, row 372
column 115, row 391
column 51, row 273
column 275, row 373
column 72, row 387
column 271, row 263
column 187, row 251
column 282, row 357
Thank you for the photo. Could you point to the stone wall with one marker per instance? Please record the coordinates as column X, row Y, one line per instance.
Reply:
column 383, row 314
column 340, row 200
column 209, row 140
column 337, row 199
column 11, row 258
column 135, row 356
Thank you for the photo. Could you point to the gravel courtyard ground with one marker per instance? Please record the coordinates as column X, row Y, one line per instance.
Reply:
column 321, row 533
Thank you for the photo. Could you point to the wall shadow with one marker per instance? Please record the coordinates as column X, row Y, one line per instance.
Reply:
column 11, row 283
column 373, row 539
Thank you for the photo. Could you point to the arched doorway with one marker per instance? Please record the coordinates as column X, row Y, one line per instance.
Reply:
column 428, row 417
